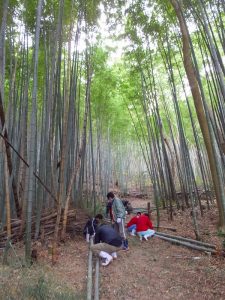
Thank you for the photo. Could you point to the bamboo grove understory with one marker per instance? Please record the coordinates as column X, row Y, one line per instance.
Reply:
column 75, row 122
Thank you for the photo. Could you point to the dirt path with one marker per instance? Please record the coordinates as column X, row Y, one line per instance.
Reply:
column 159, row 270
column 152, row 269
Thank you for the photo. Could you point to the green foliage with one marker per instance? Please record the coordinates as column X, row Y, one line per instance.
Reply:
column 99, row 209
column 108, row 92
column 38, row 291
column 221, row 233
column 115, row 87
column 127, row 94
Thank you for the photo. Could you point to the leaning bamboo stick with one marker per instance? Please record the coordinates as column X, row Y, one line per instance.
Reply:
column 5, row 137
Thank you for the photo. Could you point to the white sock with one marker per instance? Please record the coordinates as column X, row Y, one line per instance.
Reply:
column 87, row 237
column 114, row 255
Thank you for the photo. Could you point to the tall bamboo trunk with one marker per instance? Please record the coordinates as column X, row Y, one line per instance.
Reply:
column 9, row 158
column 81, row 150
column 7, row 199
column 2, row 46
column 33, row 133
column 191, row 75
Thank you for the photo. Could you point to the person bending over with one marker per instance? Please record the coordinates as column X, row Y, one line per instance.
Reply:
column 91, row 226
column 107, row 242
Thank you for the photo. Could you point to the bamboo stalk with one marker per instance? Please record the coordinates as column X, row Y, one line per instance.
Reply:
column 89, row 277
column 9, row 158
column 187, row 240
column 186, row 244
column 96, row 293
column 7, row 199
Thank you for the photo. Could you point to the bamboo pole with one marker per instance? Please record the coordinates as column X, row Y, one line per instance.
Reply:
column 89, row 278
column 7, row 199
column 9, row 158
column 186, row 244
column 207, row 245
column 96, row 293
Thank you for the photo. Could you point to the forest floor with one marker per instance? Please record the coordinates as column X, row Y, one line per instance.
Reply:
column 153, row 269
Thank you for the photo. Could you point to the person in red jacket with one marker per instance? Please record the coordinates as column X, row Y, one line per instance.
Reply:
column 132, row 224
column 144, row 227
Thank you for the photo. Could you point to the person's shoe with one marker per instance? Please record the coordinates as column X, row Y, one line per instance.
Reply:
column 133, row 233
column 141, row 238
column 114, row 255
column 125, row 248
column 145, row 237
column 107, row 261
column 107, row 258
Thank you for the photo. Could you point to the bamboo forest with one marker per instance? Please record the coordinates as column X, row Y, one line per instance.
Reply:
column 104, row 99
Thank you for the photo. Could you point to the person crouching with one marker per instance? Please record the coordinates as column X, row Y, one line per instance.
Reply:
column 91, row 226
column 107, row 242
column 144, row 227
column 132, row 224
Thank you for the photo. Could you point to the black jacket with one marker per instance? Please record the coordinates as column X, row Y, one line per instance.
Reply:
column 90, row 227
column 106, row 234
